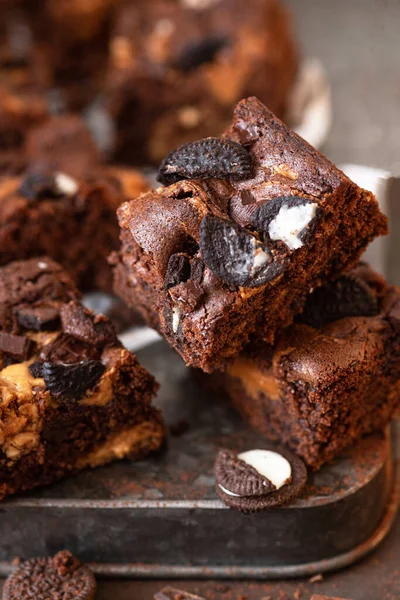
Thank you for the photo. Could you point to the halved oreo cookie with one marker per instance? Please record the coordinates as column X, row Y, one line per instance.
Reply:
column 236, row 256
column 259, row 479
column 62, row 576
column 348, row 296
column 287, row 219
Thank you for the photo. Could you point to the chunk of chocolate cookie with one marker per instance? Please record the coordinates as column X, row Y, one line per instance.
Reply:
column 178, row 270
column 37, row 186
column 348, row 296
column 206, row 159
column 61, row 577
column 236, row 256
column 71, row 381
column 259, row 479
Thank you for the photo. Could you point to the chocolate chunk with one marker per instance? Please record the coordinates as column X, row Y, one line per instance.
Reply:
column 39, row 318
column 200, row 52
column 240, row 478
column 348, row 296
column 81, row 324
column 36, row 369
column 206, row 159
column 66, row 349
column 71, row 381
column 291, row 219
column 196, row 270
column 17, row 345
column 178, row 270
column 187, row 295
column 37, row 186
column 242, row 212
column 236, row 256
column 228, row 470
column 51, row 579
column 170, row 593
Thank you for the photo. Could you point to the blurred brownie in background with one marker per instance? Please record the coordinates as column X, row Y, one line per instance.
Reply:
column 177, row 68
column 72, row 220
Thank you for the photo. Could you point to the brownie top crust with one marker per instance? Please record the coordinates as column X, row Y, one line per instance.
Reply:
column 244, row 212
column 50, row 343
column 358, row 335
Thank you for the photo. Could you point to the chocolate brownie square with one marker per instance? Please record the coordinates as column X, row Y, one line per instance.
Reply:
column 69, row 219
column 235, row 250
column 330, row 378
column 71, row 395
column 177, row 69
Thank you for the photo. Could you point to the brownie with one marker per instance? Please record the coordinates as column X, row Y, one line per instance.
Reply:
column 323, row 386
column 69, row 219
column 20, row 109
column 62, row 143
column 210, row 260
column 72, row 395
column 177, row 68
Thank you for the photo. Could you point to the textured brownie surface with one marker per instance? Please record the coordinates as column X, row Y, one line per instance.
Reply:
column 210, row 261
column 69, row 219
column 71, row 395
column 177, row 68
column 320, row 388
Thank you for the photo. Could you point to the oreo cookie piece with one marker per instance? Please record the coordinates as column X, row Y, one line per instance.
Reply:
column 178, row 270
column 61, row 577
column 259, row 479
column 236, row 256
column 71, row 381
column 200, row 52
column 206, row 159
column 38, row 186
column 348, row 296
column 287, row 219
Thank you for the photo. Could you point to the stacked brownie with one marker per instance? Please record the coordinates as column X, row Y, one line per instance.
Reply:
column 71, row 395
column 254, row 231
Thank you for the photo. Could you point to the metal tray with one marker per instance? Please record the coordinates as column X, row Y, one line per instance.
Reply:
column 161, row 517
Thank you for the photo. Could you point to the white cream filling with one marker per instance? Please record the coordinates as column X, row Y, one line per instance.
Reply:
column 290, row 222
column 260, row 260
column 271, row 465
column 66, row 184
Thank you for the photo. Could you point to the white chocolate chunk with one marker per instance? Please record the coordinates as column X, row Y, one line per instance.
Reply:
column 271, row 465
column 66, row 184
column 290, row 222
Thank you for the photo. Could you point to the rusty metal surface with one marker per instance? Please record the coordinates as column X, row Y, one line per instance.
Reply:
column 161, row 517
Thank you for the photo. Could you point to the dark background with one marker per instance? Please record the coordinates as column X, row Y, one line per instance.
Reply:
column 358, row 42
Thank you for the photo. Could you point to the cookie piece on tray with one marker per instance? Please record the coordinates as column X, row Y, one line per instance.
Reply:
column 72, row 220
column 61, row 576
column 177, row 69
column 250, row 224
column 72, row 395
column 332, row 377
